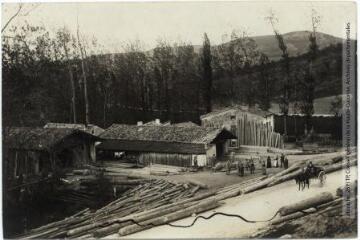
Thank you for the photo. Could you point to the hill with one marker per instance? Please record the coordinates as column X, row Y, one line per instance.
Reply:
column 297, row 43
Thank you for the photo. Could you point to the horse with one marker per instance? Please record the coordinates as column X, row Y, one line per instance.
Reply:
column 303, row 179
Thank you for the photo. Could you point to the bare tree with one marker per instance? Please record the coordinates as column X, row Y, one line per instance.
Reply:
column 163, row 61
column 286, row 86
column 207, row 71
column 308, row 85
column 64, row 38
column 264, row 85
column 230, row 59
column 82, row 57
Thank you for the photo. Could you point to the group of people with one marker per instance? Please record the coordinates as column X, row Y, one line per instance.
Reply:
column 284, row 162
column 249, row 165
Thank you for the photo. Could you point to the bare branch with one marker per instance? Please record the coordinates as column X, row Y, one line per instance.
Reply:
column 19, row 13
column 12, row 17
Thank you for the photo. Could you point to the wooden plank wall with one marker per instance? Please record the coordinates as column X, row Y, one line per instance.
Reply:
column 174, row 159
column 253, row 132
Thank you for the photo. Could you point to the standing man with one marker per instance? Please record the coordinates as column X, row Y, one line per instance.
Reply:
column 252, row 167
column 195, row 163
column 242, row 169
column 276, row 162
column 286, row 163
column 263, row 168
column 228, row 165
column 282, row 160
column 268, row 162
column 238, row 167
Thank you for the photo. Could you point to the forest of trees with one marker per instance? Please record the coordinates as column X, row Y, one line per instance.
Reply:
column 66, row 77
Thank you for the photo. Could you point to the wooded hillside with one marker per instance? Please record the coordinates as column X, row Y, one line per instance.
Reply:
column 43, row 78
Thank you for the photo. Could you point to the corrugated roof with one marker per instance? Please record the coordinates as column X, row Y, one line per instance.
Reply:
column 193, row 134
column 37, row 138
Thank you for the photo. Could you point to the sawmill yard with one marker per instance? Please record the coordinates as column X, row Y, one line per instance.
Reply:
column 158, row 197
column 259, row 205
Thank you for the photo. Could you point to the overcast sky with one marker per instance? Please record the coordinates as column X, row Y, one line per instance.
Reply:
column 115, row 23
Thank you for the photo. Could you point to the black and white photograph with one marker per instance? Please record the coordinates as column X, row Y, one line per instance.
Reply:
column 179, row 119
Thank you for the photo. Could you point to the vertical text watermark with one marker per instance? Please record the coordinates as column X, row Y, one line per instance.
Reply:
column 349, row 122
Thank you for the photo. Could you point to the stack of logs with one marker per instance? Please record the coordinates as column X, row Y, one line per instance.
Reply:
column 156, row 202
column 159, row 202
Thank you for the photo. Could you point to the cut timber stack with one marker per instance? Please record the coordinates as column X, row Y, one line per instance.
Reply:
column 251, row 131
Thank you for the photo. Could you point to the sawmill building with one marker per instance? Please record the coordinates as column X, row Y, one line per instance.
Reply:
column 34, row 151
column 171, row 145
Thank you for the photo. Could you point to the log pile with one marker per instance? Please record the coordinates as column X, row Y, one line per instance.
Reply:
column 156, row 202
column 145, row 202
column 153, row 203
column 318, row 204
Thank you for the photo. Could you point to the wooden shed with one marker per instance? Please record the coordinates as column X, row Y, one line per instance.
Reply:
column 172, row 145
column 34, row 151
column 250, row 125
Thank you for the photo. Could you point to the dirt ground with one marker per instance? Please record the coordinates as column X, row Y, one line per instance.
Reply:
column 219, row 179
column 215, row 180
column 259, row 205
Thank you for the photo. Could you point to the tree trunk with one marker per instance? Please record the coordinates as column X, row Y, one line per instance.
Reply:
column 104, row 109
column 307, row 203
column 72, row 84
column 87, row 120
